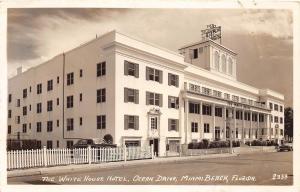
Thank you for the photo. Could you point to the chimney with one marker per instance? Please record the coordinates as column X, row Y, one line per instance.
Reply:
column 19, row 70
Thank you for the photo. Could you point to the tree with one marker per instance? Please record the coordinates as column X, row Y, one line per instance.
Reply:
column 288, row 121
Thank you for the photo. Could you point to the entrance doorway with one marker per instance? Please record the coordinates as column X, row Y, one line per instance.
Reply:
column 154, row 142
column 217, row 133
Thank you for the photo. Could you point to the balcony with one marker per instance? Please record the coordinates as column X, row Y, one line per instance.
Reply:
column 196, row 89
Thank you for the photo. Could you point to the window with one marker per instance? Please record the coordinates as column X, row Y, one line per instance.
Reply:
column 206, row 128
column 69, row 144
column 217, row 60
column 101, row 69
column 254, row 117
column 101, row 95
column 18, row 120
column 70, row 101
column 70, row 78
column 154, row 75
column 194, row 108
column 237, row 115
column 194, row 127
column 57, row 101
column 131, row 69
column 195, row 53
column 153, row 122
column 29, row 107
column 281, row 120
column 39, row 144
column 57, row 143
column 236, row 133
column 154, row 99
column 49, row 144
column 57, row 79
column 80, row 73
column 227, row 96
column 173, row 102
column 230, row 66
column 49, row 126
column 223, row 63
column 38, row 126
column 243, row 100
column 206, row 110
column 30, row 89
column 9, row 113
column 24, row 130
column 131, row 122
column 80, row 121
column 173, row 124
column 275, row 119
column 131, row 95
column 24, row 111
column 281, row 132
column 275, row 107
column 194, row 88
column 24, row 93
column 218, row 112
column 250, row 102
column 49, row 105
column 101, row 122
column 39, row 88
column 235, row 98
column 39, row 108
column 271, row 119
column 271, row 105
column 80, row 97
column 217, row 93
column 70, row 124
column 206, row 91
column 173, row 80
column 50, row 85
column 281, row 108
column 9, row 129
column 57, row 123
column 132, row 143
column 9, row 98
column 18, row 102
column 261, row 118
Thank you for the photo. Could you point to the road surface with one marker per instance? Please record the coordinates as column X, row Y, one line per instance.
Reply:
column 247, row 169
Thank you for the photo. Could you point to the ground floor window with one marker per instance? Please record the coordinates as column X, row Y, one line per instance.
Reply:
column 132, row 143
column 49, row 145
column 206, row 128
column 236, row 133
column 38, row 144
column 227, row 132
column 69, row 144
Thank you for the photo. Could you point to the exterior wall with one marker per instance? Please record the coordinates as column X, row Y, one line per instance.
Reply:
column 114, row 48
column 142, row 109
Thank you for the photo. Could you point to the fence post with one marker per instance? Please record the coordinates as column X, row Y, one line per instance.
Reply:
column 45, row 155
column 152, row 151
column 89, row 154
column 125, row 153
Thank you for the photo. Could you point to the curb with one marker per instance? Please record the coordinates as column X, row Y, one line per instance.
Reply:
column 109, row 165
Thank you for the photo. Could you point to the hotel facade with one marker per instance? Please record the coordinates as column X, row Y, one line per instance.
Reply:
column 130, row 92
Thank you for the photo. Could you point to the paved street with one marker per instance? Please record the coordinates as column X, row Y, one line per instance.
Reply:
column 248, row 169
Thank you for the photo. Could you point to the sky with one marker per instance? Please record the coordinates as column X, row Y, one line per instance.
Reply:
column 263, row 38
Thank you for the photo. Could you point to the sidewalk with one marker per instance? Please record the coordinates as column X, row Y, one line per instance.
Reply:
column 90, row 167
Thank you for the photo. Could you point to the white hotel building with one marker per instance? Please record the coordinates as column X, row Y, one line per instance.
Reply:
column 140, row 94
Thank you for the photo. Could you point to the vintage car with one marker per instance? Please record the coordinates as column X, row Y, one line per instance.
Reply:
column 285, row 147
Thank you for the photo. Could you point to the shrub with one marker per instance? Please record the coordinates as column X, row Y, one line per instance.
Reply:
column 205, row 143
column 200, row 145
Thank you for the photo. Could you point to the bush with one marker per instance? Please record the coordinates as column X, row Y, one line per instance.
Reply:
column 205, row 143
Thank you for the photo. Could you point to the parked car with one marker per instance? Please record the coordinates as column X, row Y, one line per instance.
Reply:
column 94, row 143
column 285, row 147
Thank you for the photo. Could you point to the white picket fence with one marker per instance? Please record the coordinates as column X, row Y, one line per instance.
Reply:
column 21, row 159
